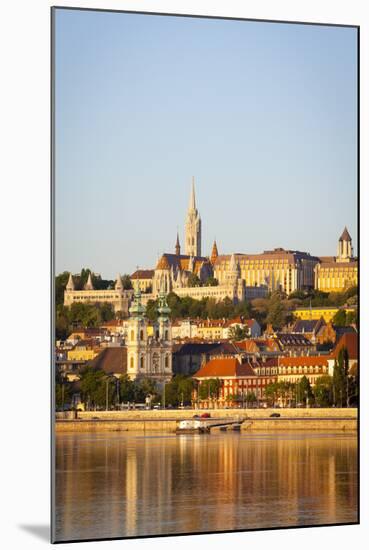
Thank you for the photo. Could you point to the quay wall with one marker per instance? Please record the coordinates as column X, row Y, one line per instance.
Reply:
column 181, row 414
column 166, row 423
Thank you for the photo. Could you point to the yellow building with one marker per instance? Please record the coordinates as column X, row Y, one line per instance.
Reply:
column 278, row 269
column 337, row 273
column 82, row 354
column 143, row 277
column 327, row 313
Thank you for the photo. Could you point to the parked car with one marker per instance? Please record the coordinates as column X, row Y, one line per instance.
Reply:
column 275, row 415
column 196, row 416
column 205, row 415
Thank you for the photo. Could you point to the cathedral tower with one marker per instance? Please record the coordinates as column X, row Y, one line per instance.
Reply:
column 345, row 250
column 193, row 227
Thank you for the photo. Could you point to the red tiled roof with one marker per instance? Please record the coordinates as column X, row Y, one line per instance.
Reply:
column 143, row 274
column 305, row 360
column 225, row 367
column 349, row 341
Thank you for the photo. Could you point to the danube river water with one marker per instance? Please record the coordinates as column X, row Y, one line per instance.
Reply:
column 129, row 484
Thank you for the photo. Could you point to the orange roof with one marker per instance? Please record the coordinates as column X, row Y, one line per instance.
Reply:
column 305, row 360
column 248, row 345
column 349, row 341
column 225, row 367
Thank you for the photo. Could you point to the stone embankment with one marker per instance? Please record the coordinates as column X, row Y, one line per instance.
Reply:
column 167, row 420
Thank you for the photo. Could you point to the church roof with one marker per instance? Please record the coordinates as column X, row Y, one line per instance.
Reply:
column 345, row 235
column 181, row 262
column 143, row 274
column 111, row 360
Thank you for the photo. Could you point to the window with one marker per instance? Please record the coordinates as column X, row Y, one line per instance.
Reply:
column 142, row 362
column 141, row 334
column 132, row 363
column 132, row 335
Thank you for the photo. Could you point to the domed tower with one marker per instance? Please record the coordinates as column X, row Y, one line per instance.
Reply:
column 136, row 337
column 164, row 333
column 193, row 227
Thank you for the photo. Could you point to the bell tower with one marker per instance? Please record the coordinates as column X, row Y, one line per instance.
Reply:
column 193, row 226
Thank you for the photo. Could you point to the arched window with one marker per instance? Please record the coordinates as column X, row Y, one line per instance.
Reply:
column 166, row 335
column 142, row 362
column 132, row 335
column 166, row 361
column 132, row 362
column 141, row 334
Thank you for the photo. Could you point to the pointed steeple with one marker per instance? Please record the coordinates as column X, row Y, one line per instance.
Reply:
column 178, row 246
column 345, row 236
column 70, row 283
column 214, row 253
column 192, row 204
column 119, row 283
column 89, row 285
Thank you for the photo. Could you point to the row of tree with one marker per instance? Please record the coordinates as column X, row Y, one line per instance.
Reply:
column 83, row 315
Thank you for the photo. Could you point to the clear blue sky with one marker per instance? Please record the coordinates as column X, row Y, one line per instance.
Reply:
column 262, row 114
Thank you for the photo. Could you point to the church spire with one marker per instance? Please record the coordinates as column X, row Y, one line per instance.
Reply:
column 214, row 253
column 192, row 205
column 119, row 283
column 193, row 226
column 178, row 246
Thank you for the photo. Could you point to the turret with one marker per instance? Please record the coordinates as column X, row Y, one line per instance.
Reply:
column 178, row 246
column 70, row 283
column 119, row 283
column 345, row 250
column 214, row 253
column 89, row 285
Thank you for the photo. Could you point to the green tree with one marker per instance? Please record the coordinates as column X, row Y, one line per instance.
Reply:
column 237, row 333
column 251, row 398
column 304, row 391
column 193, row 280
column 211, row 281
column 126, row 388
column 93, row 388
column 209, row 388
column 127, row 283
column 340, row 379
column 323, row 391
column 178, row 391
column 339, row 318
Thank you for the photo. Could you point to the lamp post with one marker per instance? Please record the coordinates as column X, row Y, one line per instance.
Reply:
column 107, row 392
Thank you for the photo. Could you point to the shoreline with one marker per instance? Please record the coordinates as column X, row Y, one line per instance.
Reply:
column 167, row 421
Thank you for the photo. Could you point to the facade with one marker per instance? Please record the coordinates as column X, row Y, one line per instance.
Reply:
column 326, row 313
column 143, row 277
column 149, row 356
column 292, row 369
column 338, row 273
column 118, row 297
column 236, row 381
column 278, row 269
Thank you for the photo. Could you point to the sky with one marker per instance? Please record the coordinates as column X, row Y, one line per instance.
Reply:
column 263, row 115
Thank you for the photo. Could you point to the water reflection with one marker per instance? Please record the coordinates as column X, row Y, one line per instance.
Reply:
column 114, row 485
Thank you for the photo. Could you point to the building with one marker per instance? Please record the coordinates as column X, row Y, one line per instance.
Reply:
column 236, row 379
column 330, row 334
column 292, row 369
column 278, row 269
column 149, row 356
column 143, row 277
column 338, row 273
column 348, row 342
column 327, row 313
column 118, row 297
column 309, row 328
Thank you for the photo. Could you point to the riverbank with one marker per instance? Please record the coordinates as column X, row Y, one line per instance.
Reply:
column 167, row 421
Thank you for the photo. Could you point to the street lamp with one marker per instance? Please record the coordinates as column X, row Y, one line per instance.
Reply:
column 107, row 392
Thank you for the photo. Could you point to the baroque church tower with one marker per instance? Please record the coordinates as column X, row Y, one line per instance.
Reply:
column 193, row 227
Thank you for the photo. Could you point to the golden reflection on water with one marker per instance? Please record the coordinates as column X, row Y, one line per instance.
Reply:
column 120, row 485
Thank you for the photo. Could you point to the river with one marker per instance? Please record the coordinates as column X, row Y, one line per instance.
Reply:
column 130, row 484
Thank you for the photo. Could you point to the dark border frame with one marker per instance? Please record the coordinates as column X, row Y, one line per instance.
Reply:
column 52, row 267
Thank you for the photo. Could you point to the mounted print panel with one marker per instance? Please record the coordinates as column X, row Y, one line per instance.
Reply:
column 205, row 272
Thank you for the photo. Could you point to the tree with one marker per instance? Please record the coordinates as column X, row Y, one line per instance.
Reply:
column 93, row 388
column 304, row 391
column 237, row 333
column 63, row 392
column 251, row 398
column 127, row 283
column 209, row 388
column 126, row 388
column 178, row 391
column 323, row 391
column 211, row 281
column 193, row 280
column 340, row 378
column 339, row 319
